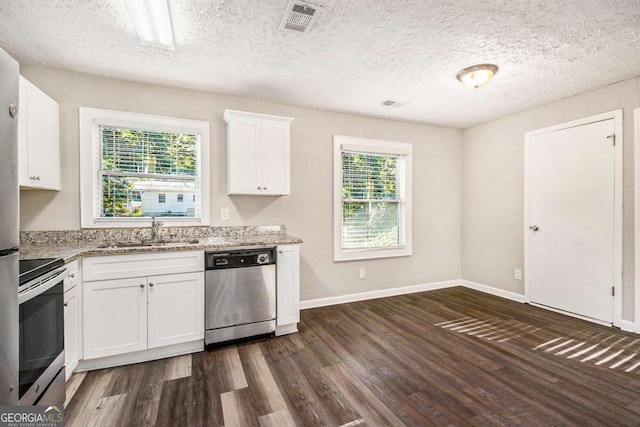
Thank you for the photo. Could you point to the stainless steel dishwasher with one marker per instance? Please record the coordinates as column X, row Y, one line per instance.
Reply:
column 240, row 294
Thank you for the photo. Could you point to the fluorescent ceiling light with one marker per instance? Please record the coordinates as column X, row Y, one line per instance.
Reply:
column 477, row 75
column 152, row 22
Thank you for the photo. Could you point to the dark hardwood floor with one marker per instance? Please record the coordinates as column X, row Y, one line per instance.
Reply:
column 449, row 357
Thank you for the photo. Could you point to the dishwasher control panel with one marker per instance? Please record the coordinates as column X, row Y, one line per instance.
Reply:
column 215, row 260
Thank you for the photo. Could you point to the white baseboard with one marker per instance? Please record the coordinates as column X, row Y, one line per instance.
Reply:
column 493, row 291
column 363, row 296
column 286, row 329
column 627, row 325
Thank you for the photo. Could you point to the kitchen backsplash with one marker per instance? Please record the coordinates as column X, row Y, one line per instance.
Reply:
column 144, row 233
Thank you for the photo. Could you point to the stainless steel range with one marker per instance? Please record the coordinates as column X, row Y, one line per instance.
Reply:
column 240, row 294
column 41, row 332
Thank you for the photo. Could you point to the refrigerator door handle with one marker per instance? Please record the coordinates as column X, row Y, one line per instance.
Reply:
column 10, row 251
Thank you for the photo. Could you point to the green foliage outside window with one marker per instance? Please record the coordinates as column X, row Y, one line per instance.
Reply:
column 168, row 162
column 371, row 205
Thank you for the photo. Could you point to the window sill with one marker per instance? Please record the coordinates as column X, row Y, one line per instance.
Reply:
column 144, row 221
column 359, row 254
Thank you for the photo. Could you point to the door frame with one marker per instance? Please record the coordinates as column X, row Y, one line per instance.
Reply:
column 616, row 115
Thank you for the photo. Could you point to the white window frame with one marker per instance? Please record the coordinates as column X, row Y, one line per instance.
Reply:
column 370, row 146
column 91, row 118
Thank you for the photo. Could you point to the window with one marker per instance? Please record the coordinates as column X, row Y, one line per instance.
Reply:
column 372, row 203
column 131, row 162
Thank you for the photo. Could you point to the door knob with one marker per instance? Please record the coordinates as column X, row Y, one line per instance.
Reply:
column 534, row 228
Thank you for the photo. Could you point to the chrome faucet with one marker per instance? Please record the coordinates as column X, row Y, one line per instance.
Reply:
column 155, row 226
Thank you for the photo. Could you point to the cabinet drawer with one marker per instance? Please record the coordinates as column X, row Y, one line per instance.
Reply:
column 74, row 275
column 140, row 265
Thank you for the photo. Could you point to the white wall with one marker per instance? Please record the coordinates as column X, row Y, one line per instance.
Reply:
column 493, row 186
column 307, row 212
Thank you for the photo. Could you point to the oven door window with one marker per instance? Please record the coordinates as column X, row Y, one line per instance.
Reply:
column 41, row 334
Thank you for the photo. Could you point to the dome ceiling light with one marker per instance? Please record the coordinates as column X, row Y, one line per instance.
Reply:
column 477, row 75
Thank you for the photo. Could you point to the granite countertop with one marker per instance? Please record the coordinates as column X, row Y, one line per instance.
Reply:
column 70, row 251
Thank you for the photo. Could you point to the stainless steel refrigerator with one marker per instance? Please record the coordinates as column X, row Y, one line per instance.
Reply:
column 9, row 229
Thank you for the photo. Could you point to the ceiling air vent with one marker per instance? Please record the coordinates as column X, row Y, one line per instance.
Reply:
column 299, row 16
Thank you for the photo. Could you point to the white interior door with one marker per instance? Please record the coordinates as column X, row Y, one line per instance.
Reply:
column 572, row 219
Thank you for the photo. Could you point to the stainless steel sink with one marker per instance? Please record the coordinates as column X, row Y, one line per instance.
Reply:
column 175, row 241
column 142, row 244
column 116, row 245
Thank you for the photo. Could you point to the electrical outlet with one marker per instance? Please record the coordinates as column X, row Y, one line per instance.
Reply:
column 224, row 214
column 362, row 274
column 518, row 274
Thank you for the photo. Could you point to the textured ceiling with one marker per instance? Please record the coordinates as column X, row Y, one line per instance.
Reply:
column 359, row 53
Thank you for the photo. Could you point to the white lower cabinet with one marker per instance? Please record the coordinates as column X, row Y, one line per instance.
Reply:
column 132, row 314
column 115, row 317
column 71, row 331
column 288, row 284
column 72, row 318
column 175, row 309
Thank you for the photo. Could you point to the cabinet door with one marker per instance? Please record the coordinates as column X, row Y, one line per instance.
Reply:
column 288, row 283
column 275, row 158
column 71, row 325
column 176, row 308
column 39, row 139
column 44, row 140
column 243, row 154
column 114, row 317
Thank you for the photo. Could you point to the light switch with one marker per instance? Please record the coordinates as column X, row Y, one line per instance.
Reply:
column 224, row 214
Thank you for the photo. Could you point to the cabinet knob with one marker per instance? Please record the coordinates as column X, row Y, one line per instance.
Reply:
column 279, row 252
column 259, row 188
column 141, row 285
column 37, row 178
column 72, row 275
column 151, row 285
column 66, row 304
column 264, row 188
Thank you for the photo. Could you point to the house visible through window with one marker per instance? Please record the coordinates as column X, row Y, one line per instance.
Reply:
column 372, row 202
column 145, row 165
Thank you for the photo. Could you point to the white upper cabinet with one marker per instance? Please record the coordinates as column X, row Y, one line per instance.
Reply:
column 39, row 139
column 258, row 156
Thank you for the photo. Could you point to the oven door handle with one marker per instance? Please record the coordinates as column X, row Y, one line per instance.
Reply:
column 47, row 282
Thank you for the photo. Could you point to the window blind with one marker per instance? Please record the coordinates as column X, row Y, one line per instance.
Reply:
column 143, row 171
column 371, row 200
